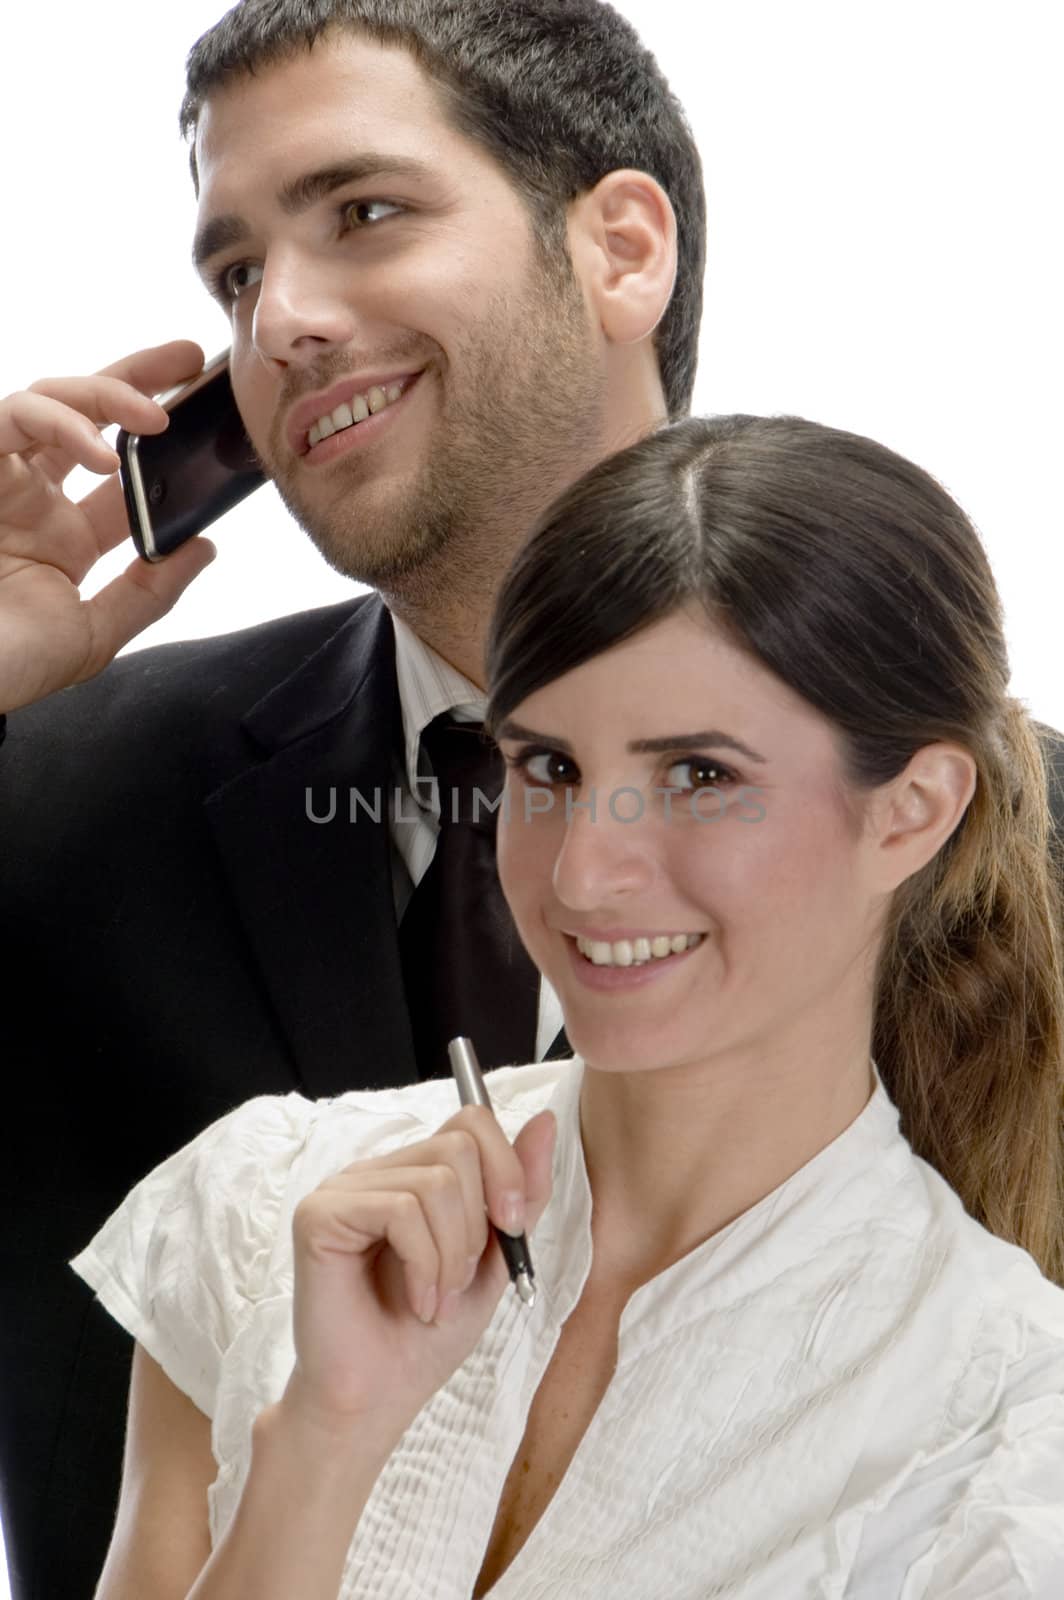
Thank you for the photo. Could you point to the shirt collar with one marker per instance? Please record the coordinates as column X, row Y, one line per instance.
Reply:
column 428, row 686
column 836, row 1191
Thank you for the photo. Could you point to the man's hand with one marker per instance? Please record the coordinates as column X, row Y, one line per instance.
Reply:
column 49, row 636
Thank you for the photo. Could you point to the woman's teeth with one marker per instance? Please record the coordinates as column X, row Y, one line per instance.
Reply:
column 360, row 407
column 636, row 952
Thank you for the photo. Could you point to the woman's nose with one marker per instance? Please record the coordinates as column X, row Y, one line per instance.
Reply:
column 607, row 853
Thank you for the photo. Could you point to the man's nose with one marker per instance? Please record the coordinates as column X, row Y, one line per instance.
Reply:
column 299, row 308
column 608, row 851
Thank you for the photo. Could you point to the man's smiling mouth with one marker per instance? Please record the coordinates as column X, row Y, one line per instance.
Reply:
column 350, row 414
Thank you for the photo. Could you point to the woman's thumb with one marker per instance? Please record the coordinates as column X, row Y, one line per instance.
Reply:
column 535, row 1146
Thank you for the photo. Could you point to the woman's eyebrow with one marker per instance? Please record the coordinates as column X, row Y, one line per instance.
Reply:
column 687, row 741
column 657, row 746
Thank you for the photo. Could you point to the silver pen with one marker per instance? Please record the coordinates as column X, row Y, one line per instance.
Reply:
column 472, row 1092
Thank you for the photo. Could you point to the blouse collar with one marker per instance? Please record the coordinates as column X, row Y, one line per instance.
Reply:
column 831, row 1192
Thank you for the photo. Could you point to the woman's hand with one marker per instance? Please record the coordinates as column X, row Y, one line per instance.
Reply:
column 397, row 1272
column 49, row 636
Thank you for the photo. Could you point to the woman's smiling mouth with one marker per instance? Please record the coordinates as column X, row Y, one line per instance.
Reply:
column 638, row 951
column 603, row 965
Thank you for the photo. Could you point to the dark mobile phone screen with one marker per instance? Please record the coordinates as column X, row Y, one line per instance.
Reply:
column 178, row 482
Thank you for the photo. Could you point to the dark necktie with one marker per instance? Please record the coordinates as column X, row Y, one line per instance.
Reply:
column 465, row 969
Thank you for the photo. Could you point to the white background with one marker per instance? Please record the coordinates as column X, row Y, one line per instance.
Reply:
column 883, row 180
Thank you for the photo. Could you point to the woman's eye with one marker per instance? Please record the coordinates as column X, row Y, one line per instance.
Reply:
column 546, row 766
column 697, row 772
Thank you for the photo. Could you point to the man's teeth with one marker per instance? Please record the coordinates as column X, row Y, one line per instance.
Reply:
column 361, row 407
column 634, row 952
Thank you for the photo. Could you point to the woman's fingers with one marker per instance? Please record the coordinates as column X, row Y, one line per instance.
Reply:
column 394, row 1242
column 501, row 1176
column 441, row 1237
column 534, row 1147
column 460, row 1148
column 431, row 1214
column 432, row 1202
column 336, row 1220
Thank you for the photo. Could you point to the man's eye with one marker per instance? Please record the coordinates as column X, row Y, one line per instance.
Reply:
column 350, row 206
column 231, row 281
column 698, row 772
column 226, row 285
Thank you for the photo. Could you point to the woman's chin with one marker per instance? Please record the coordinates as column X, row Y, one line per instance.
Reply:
column 616, row 1047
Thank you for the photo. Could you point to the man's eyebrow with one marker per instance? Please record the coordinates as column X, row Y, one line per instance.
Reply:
column 649, row 747
column 299, row 194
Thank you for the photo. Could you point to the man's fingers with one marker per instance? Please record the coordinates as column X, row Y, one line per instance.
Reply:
column 100, row 400
column 55, row 421
column 140, row 596
column 56, row 426
column 31, row 422
column 159, row 367
column 104, row 508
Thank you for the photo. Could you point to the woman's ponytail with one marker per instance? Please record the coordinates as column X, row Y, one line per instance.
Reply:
column 970, row 1000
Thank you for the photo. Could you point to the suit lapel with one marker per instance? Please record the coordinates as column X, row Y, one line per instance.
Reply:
column 560, row 1049
column 315, row 896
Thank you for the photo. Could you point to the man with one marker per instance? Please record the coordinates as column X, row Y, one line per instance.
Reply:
column 501, row 209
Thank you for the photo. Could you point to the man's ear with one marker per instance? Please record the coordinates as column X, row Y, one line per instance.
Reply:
column 623, row 243
column 911, row 817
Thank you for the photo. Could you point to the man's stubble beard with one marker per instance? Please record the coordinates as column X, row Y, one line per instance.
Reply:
column 514, row 420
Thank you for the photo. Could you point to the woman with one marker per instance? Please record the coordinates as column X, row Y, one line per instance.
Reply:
column 777, row 835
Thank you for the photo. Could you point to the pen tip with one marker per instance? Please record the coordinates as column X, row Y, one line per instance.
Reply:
column 525, row 1288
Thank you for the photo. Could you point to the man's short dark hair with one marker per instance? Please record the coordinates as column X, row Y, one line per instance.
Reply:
column 559, row 92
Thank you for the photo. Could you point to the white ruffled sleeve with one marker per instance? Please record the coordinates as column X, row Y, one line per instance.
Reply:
column 183, row 1260
column 984, row 1518
column 1004, row 1535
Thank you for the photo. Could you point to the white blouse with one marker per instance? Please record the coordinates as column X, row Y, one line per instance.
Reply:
column 853, row 1390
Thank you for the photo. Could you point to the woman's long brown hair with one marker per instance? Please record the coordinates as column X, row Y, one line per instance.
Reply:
column 855, row 578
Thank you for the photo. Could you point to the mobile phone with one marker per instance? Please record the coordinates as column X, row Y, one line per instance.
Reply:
column 178, row 482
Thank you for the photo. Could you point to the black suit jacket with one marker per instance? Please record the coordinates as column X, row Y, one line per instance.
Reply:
column 176, row 936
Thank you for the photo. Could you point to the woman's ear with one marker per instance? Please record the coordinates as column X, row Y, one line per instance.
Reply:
column 912, row 816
